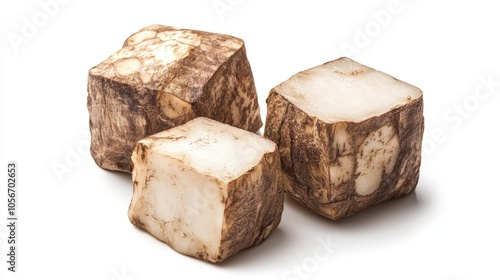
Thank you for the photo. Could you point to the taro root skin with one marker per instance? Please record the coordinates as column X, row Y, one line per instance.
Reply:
column 339, row 161
column 161, row 78
column 207, row 189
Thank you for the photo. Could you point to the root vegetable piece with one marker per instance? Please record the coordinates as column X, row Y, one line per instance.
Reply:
column 207, row 189
column 161, row 78
column 349, row 136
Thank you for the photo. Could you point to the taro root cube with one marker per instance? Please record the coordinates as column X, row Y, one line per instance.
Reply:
column 349, row 136
column 207, row 189
column 163, row 77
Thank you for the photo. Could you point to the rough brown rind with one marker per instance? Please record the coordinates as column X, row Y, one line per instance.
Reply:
column 252, row 213
column 308, row 148
column 164, row 77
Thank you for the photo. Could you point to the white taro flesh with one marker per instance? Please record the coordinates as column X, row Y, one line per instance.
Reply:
column 207, row 189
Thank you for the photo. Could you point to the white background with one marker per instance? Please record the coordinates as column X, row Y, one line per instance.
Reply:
column 75, row 226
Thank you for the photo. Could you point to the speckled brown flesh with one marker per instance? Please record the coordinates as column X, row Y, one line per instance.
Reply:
column 163, row 78
column 307, row 149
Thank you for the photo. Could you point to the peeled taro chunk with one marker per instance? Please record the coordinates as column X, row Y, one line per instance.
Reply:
column 161, row 78
column 349, row 136
column 207, row 189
